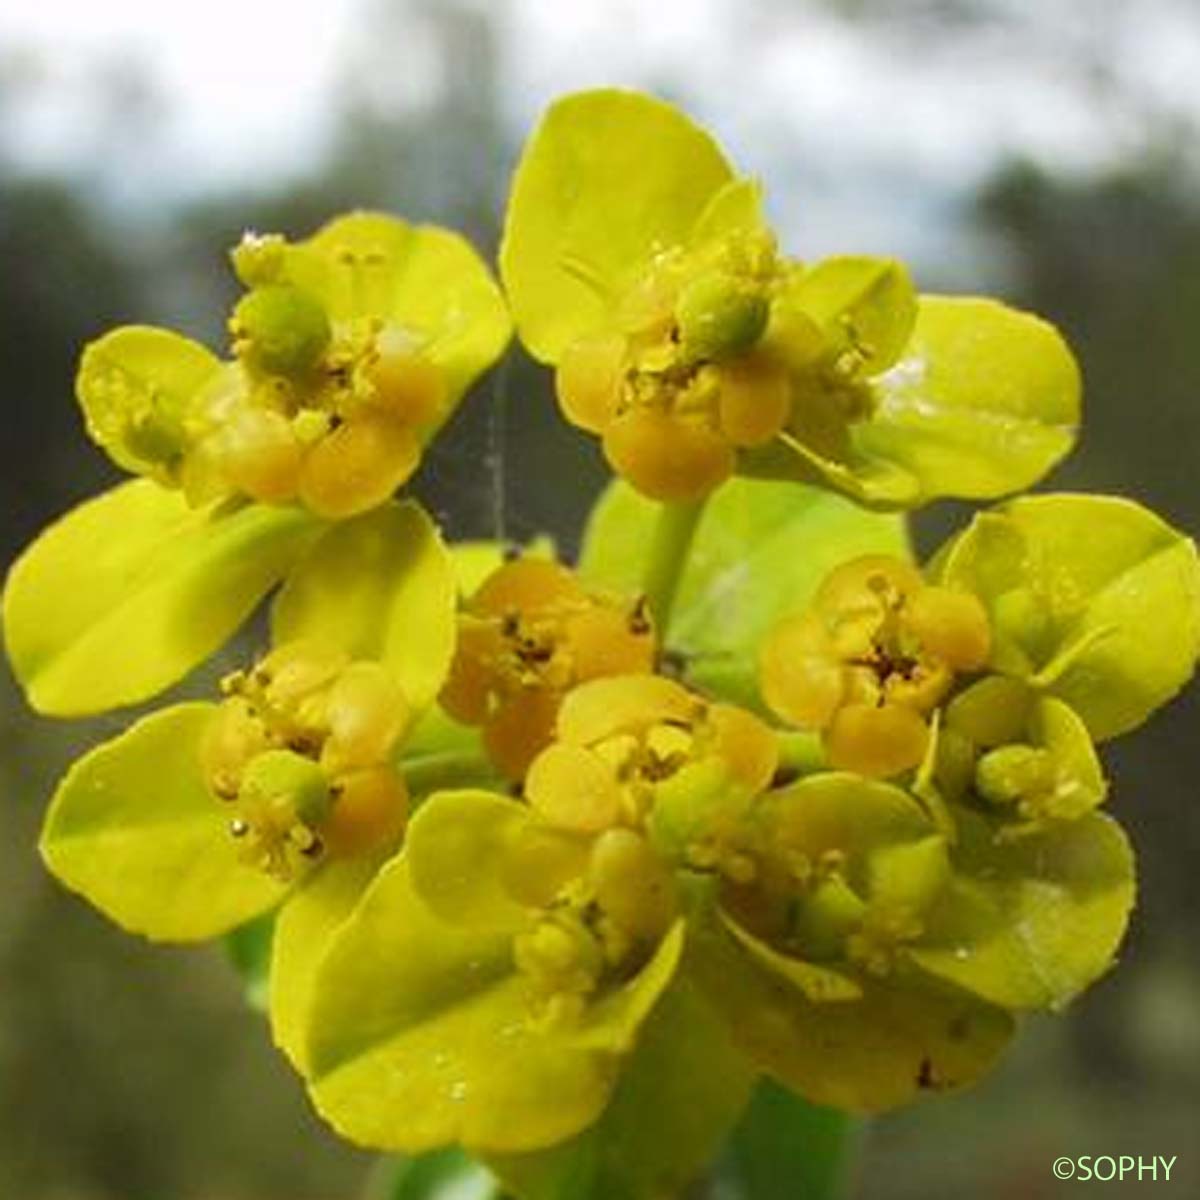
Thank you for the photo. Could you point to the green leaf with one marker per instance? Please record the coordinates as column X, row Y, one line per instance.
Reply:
column 304, row 930
column 1031, row 919
column 984, row 400
column 787, row 1149
column 136, row 385
column 607, row 179
column 908, row 1034
column 441, row 753
column 760, row 551
column 679, row 1095
column 134, row 829
column 125, row 594
column 1093, row 598
column 380, row 586
column 248, row 948
column 421, row 277
column 421, row 1034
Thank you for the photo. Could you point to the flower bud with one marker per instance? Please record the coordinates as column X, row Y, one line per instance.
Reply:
column 1010, row 774
column 137, row 421
column 1021, row 615
column 559, row 956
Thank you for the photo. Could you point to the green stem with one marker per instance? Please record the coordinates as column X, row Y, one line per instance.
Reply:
column 669, row 548
column 449, row 769
column 787, row 1149
column 801, row 753
column 436, row 1175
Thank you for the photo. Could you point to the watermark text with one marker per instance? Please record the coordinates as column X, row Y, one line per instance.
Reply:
column 1115, row 1166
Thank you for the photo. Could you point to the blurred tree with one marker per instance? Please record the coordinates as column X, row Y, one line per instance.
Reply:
column 1117, row 261
column 65, row 279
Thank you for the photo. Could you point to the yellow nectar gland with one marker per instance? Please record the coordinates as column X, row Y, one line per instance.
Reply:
column 301, row 749
column 682, row 382
column 874, row 654
column 528, row 635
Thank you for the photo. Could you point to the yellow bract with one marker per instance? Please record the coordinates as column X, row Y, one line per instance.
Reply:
column 640, row 266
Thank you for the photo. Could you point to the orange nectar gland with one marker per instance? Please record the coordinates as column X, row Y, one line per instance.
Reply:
column 528, row 635
column 682, row 382
column 332, row 415
column 301, row 748
column 872, row 656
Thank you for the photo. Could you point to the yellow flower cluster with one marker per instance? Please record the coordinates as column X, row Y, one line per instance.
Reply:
column 554, row 863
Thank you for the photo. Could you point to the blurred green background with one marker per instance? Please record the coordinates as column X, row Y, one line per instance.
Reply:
column 1045, row 152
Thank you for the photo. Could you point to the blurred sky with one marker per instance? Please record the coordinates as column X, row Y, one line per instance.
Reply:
column 871, row 139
